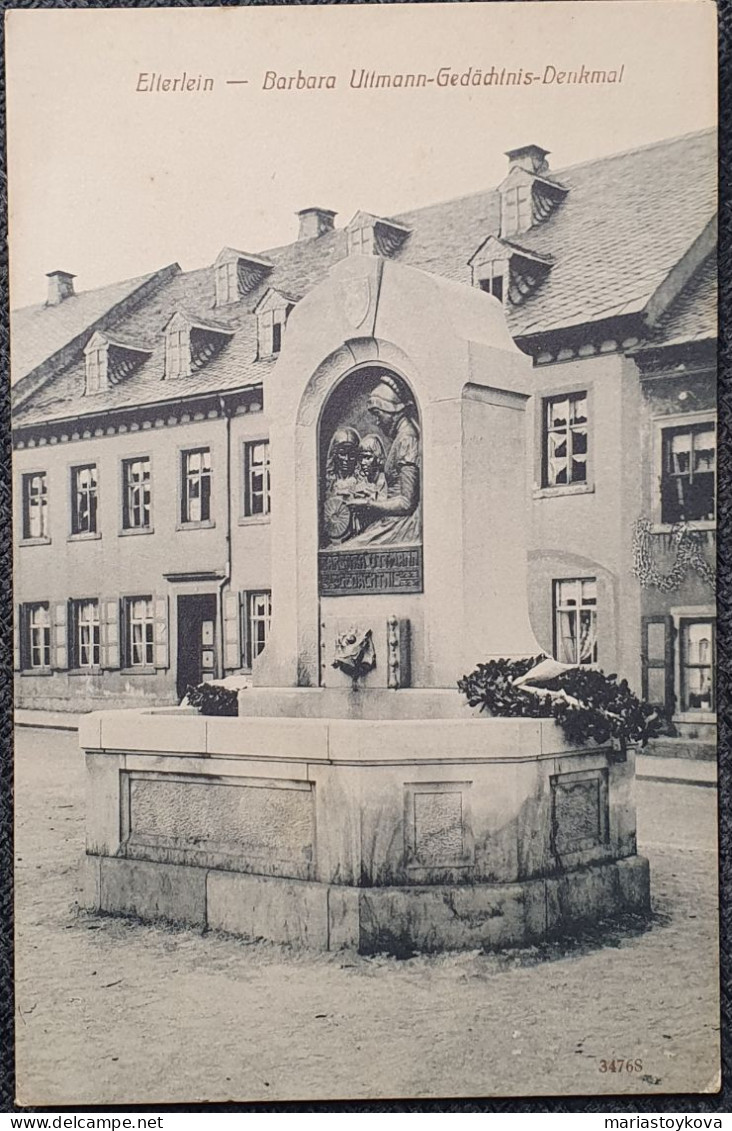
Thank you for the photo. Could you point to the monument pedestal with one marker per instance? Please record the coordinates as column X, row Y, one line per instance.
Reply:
column 382, row 836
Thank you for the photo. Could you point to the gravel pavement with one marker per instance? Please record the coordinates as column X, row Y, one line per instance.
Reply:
column 110, row 1011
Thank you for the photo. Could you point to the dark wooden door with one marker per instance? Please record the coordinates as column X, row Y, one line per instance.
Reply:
column 196, row 640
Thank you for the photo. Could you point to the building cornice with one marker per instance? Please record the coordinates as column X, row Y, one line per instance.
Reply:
column 619, row 334
column 99, row 423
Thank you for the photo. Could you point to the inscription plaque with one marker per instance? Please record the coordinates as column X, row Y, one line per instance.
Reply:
column 266, row 825
column 579, row 808
column 344, row 572
column 438, row 828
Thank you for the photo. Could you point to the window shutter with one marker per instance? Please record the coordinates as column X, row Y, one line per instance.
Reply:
column 20, row 632
column 124, row 649
column 232, row 646
column 109, row 633
column 162, row 650
column 60, row 635
column 244, row 628
column 657, row 660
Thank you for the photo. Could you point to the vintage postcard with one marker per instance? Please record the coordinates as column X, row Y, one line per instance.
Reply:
column 364, row 429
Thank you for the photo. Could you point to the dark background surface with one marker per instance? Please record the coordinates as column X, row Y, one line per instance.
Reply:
column 683, row 1104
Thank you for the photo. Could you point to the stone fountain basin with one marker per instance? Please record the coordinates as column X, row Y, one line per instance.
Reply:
column 397, row 834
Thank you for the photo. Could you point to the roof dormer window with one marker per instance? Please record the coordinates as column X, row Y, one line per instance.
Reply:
column 237, row 273
column 272, row 313
column 506, row 271
column 373, row 235
column 528, row 194
column 111, row 360
column 191, row 342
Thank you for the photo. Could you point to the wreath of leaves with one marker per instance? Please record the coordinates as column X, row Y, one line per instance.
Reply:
column 586, row 703
column 210, row 699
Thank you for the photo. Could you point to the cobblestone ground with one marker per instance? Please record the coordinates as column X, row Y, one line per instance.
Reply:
column 111, row 1011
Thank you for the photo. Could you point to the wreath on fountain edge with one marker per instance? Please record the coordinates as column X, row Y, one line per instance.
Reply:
column 586, row 703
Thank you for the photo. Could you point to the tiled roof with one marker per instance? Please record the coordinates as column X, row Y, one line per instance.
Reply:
column 626, row 221
column 37, row 332
column 693, row 316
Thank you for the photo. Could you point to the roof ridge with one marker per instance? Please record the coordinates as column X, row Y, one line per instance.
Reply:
column 396, row 217
column 638, row 149
column 139, row 279
column 564, row 169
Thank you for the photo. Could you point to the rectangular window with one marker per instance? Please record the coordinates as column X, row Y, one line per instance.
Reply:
column 178, row 353
column 493, row 286
column 688, row 473
column 493, row 277
column 271, row 330
column 84, row 499
column 517, row 212
column 276, row 336
column 361, row 241
column 85, row 638
column 196, row 485
column 96, row 369
column 258, row 612
column 697, row 647
column 139, row 632
column 37, row 636
column 256, row 479
column 565, row 440
column 575, row 620
column 136, row 494
column 227, row 282
column 35, row 505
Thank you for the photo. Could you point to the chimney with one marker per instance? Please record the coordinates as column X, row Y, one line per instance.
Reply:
column 315, row 222
column 532, row 158
column 60, row 286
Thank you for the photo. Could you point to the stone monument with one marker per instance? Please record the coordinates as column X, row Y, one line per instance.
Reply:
column 356, row 800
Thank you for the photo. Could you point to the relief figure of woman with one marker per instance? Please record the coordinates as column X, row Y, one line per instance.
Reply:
column 395, row 518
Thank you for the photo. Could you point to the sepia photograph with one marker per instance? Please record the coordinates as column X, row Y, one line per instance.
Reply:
column 364, row 416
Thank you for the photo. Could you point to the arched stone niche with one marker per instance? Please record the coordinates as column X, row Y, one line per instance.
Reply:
column 370, row 485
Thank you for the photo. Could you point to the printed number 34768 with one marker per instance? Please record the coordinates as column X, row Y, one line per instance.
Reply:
column 618, row 1064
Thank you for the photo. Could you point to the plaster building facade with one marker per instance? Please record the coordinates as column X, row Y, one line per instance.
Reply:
column 142, row 475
